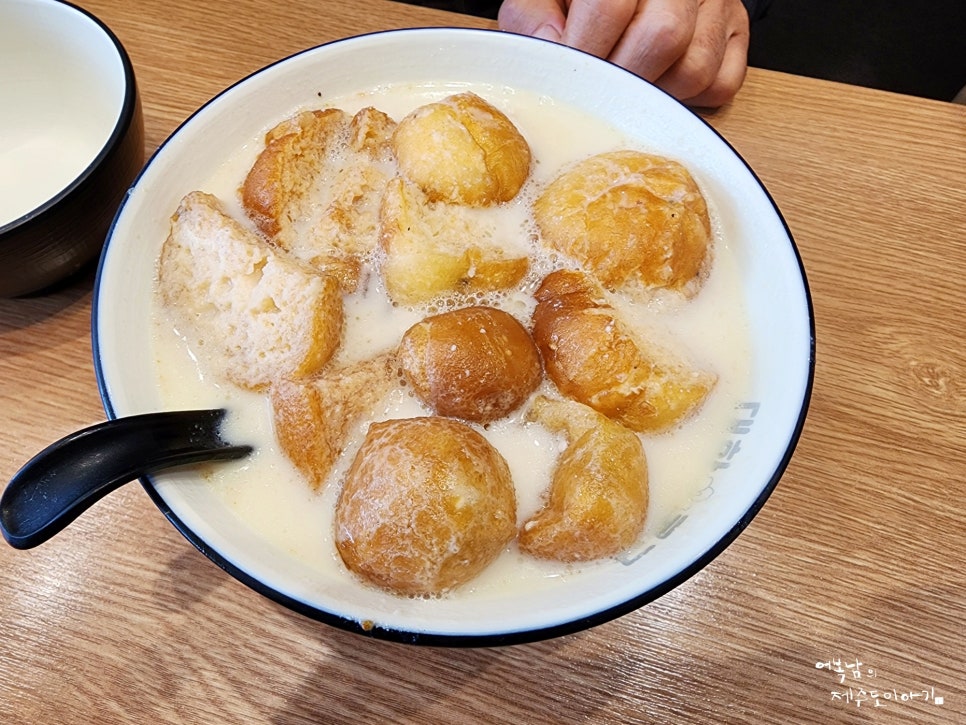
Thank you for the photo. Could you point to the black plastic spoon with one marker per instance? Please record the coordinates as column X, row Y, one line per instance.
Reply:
column 61, row 482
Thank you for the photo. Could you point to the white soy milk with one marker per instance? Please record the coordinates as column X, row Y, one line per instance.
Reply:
column 267, row 493
column 62, row 91
column 36, row 166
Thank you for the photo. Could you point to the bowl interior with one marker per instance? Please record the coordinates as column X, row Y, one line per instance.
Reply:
column 766, row 424
column 61, row 94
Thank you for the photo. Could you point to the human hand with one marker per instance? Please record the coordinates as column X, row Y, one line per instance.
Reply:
column 696, row 50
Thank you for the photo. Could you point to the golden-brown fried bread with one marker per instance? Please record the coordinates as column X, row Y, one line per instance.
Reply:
column 312, row 419
column 594, row 357
column 427, row 504
column 476, row 363
column 433, row 249
column 258, row 311
column 596, row 505
column 315, row 189
column 462, row 150
column 283, row 175
column 629, row 217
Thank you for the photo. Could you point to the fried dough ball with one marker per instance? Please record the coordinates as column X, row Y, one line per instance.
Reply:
column 597, row 500
column 435, row 249
column 629, row 217
column 427, row 504
column 462, row 150
column 312, row 419
column 476, row 363
column 316, row 187
column 594, row 357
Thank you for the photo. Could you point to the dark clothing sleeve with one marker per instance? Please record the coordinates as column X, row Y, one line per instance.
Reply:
column 756, row 8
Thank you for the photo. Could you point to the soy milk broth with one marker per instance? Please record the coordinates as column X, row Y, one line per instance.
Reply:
column 269, row 496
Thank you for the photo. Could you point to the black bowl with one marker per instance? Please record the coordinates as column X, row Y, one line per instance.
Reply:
column 72, row 157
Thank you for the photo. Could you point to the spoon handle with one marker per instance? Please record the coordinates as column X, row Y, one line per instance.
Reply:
column 66, row 478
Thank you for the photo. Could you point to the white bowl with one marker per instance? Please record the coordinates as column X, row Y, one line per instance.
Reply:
column 71, row 140
column 765, row 429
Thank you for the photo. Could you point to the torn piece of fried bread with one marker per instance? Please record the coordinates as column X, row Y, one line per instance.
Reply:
column 316, row 187
column 433, row 248
column 263, row 314
column 313, row 418
column 594, row 356
column 596, row 504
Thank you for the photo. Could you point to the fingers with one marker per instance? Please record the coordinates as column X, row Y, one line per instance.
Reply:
column 730, row 76
column 712, row 68
column 539, row 18
column 596, row 26
column 696, row 50
column 659, row 34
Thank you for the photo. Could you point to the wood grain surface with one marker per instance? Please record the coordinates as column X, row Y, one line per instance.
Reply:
column 856, row 559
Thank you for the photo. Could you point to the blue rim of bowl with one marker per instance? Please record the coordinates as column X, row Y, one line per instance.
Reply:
column 434, row 639
column 124, row 120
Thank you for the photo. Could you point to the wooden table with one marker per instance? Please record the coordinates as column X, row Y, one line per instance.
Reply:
column 857, row 559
